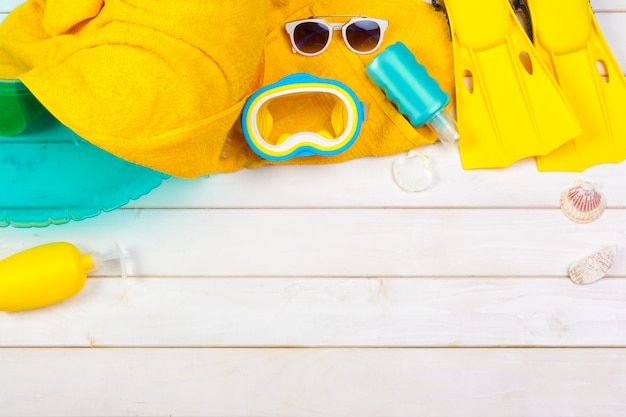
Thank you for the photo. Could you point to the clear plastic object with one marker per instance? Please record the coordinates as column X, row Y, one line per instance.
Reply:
column 412, row 172
column 49, row 175
column 116, row 255
column 445, row 127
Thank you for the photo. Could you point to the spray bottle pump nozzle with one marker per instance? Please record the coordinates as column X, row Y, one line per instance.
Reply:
column 115, row 255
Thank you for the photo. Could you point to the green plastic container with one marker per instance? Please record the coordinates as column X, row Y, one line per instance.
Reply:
column 18, row 107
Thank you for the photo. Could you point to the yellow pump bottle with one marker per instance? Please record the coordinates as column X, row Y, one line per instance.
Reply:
column 43, row 275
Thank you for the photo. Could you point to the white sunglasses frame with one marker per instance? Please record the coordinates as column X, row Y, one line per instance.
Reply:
column 290, row 27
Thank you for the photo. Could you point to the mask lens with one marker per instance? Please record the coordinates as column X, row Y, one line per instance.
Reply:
column 311, row 37
column 303, row 111
column 363, row 35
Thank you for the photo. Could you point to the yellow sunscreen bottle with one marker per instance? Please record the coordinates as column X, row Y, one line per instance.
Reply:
column 44, row 275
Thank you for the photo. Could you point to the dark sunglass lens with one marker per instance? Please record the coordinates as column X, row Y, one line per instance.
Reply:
column 310, row 37
column 363, row 36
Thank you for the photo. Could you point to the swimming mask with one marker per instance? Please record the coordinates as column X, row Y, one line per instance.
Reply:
column 327, row 114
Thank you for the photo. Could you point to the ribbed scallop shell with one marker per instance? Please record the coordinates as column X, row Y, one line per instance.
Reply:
column 583, row 203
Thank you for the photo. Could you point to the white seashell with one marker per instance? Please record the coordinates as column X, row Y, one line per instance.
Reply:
column 593, row 267
column 412, row 172
column 583, row 203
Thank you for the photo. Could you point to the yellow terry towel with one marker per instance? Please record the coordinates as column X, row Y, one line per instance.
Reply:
column 162, row 84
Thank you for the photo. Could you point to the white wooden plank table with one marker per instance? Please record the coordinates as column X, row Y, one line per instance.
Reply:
column 328, row 291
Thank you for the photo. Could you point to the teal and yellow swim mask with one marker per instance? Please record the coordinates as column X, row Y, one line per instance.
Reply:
column 272, row 110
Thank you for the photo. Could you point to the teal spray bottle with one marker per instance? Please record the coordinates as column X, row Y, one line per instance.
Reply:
column 415, row 93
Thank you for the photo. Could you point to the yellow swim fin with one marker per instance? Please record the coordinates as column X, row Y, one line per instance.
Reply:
column 568, row 39
column 509, row 106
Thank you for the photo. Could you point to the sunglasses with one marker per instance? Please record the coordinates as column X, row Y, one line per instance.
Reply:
column 362, row 35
